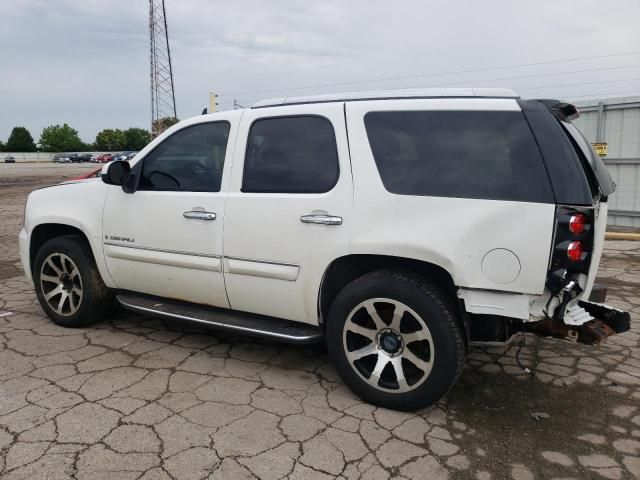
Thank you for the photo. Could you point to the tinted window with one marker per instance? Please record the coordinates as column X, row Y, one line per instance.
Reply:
column 189, row 160
column 467, row 154
column 602, row 176
column 568, row 178
column 291, row 155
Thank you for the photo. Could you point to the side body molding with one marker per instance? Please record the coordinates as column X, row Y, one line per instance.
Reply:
column 173, row 258
column 258, row 268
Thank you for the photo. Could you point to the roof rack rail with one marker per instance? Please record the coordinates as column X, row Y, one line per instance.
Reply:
column 407, row 93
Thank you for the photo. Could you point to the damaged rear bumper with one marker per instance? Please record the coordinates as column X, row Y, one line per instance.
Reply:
column 606, row 321
column 587, row 322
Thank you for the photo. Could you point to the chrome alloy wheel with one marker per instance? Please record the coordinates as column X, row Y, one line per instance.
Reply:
column 388, row 345
column 61, row 284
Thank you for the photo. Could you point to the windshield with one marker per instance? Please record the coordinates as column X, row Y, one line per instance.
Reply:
column 606, row 184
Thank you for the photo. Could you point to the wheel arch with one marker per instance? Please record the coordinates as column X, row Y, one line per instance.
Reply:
column 44, row 232
column 344, row 270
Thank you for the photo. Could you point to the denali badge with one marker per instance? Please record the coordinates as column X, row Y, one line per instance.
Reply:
column 119, row 239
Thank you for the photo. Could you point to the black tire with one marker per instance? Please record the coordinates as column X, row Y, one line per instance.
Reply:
column 436, row 310
column 96, row 300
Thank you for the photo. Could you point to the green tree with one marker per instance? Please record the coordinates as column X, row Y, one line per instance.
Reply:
column 137, row 138
column 3, row 148
column 20, row 140
column 110, row 140
column 162, row 124
column 87, row 147
column 60, row 138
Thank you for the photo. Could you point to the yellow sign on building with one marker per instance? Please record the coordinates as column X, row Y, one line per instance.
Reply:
column 600, row 148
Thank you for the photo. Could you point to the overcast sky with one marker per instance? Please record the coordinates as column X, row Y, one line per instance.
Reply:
column 86, row 62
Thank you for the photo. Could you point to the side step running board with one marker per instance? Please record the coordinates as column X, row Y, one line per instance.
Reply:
column 227, row 320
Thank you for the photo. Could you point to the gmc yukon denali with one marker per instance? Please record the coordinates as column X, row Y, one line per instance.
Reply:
column 399, row 227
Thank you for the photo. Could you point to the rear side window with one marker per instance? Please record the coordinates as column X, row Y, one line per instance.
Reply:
column 464, row 154
column 291, row 155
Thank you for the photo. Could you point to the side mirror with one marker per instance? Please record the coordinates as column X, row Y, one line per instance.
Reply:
column 114, row 172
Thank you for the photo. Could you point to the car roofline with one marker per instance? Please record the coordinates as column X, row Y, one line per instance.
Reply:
column 398, row 94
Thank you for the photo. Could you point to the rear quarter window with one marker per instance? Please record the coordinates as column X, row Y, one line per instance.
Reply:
column 464, row 154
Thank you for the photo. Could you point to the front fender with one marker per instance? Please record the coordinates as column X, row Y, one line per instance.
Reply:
column 78, row 205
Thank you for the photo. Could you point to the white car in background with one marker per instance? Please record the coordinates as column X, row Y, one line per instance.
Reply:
column 60, row 158
column 397, row 226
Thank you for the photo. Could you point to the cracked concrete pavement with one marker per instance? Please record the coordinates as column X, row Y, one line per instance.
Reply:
column 141, row 398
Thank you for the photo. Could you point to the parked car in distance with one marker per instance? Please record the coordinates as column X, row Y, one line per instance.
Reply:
column 60, row 158
column 399, row 227
column 104, row 158
column 124, row 155
column 84, row 157
column 9, row 159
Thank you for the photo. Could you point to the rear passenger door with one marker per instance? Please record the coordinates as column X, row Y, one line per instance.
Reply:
column 288, row 213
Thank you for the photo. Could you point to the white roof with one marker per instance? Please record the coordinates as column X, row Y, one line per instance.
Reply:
column 387, row 94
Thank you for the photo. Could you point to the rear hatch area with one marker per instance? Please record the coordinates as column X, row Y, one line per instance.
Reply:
column 581, row 186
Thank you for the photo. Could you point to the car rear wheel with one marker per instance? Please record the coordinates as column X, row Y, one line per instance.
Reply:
column 395, row 340
column 68, row 284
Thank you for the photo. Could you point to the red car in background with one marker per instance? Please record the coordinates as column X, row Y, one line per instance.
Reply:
column 104, row 158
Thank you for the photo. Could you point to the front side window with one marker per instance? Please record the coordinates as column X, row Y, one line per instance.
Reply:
column 191, row 159
column 463, row 154
column 291, row 155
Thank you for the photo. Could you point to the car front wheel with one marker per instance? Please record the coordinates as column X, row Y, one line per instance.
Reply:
column 395, row 340
column 68, row 284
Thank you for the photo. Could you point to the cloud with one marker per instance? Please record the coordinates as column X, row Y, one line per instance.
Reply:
column 86, row 63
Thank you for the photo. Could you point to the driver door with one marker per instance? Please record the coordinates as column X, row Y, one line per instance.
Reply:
column 165, row 239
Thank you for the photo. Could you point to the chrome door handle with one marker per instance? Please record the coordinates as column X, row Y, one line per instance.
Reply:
column 321, row 219
column 199, row 215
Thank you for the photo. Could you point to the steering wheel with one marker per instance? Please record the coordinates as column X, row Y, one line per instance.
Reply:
column 164, row 174
column 194, row 168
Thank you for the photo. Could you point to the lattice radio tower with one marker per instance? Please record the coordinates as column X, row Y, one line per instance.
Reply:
column 163, row 97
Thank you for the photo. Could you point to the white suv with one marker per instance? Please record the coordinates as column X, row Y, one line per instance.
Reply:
column 400, row 226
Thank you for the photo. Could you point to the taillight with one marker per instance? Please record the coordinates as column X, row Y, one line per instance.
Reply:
column 573, row 243
column 577, row 223
column 574, row 251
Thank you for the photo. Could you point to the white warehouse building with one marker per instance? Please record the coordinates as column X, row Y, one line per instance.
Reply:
column 616, row 122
